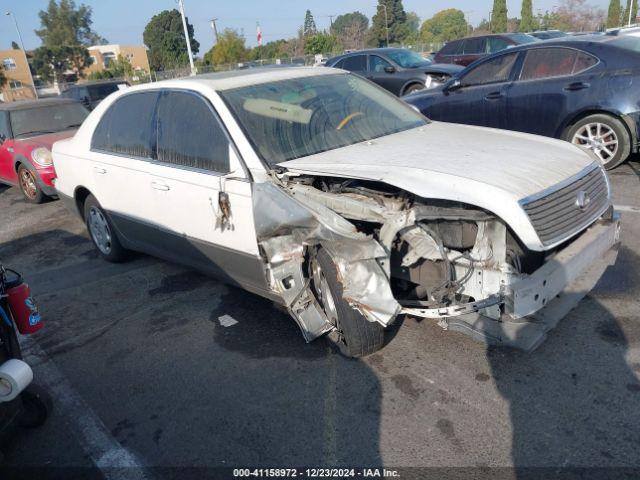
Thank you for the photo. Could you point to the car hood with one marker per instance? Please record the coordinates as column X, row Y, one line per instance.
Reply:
column 45, row 140
column 461, row 156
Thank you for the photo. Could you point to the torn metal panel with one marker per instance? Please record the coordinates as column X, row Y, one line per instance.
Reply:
column 286, row 225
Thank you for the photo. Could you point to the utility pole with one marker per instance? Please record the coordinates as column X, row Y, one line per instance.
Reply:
column 630, row 10
column 186, row 37
column 331, row 21
column 215, row 29
column 15, row 22
column 386, row 21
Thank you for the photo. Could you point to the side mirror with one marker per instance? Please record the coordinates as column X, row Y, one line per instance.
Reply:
column 453, row 86
column 390, row 69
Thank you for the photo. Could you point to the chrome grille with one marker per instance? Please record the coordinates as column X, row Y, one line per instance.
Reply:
column 556, row 215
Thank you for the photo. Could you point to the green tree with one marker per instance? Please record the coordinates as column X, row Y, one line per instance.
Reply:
column 351, row 30
column 444, row 26
column 15, row 46
column 164, row 36
column 274, row 49
column 527, row 22
column 499, row 16
column 320, row 43
column 65, row 24
column 634, row 12
column 229, row 48
column 309, row 27
column 118, row 68
column 395, row 20
column 343, row 22
column 614, row 13
column 50, row 63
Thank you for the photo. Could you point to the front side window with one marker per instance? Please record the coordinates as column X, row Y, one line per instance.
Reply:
column 555, row 62
column 377, row 64
column 452, row 48
column 127, row 126
column 9, row 64
column 493, row 71
column 357, row 63
column 5, row 131
column 189, row 134
column 47, row 119
column 294, row 118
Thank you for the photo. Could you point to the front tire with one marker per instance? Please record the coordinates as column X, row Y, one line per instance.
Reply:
column 102, row 233
column 29, row 185
column 603, row 134
column 414, row 87
column 355, row 336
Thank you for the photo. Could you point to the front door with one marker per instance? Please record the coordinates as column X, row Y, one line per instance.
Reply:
column 481, row 97
column 201, row 194
column 384, row 74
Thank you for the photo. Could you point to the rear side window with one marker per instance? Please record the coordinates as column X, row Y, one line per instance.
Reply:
column 555, row 62
column 127, row 127
column 473, row 46
column 451, row 48
column 492, row 71
column 496, row 44
column 189, row 133
column 98, row 92
column 357, row 63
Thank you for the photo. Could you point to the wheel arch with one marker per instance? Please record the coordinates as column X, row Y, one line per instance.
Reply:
column 569, row 122
column 80, row 196
column 408, row 83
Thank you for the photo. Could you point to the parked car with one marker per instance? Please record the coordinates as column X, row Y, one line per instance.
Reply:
column 580, row 89
column 467, row 50
column 320, row 191
column 398, row 70
column 92, row 93
column 548, row 34
column 27, row 131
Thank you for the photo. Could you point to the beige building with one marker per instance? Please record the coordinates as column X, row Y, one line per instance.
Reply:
column 19, row 84
column 103, row 54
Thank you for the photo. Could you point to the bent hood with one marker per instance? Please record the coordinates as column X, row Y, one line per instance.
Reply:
column 463, row 156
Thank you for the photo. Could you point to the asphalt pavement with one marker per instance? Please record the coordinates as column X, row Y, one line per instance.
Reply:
column 152, row 365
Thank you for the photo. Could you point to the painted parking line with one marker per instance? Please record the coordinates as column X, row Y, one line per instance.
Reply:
column 627, row 208
column 113, row 460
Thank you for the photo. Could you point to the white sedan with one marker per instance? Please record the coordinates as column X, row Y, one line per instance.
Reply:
column 320, row 191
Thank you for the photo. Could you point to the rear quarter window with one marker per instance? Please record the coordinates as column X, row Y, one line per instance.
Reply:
column 541, row 63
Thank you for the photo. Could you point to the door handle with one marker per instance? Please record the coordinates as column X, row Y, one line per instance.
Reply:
column 494, row 96
column 160, row 186
column 576, row 86
column 99, row 170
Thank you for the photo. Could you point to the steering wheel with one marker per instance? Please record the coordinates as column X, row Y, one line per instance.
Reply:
column 343, row 123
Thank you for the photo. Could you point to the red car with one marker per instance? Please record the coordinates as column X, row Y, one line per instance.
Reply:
column 27, row 131
column 467, row 50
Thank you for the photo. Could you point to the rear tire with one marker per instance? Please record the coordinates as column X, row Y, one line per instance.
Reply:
column 29, row 185
column 355, row 336
column 102, row 233
column 603, row 134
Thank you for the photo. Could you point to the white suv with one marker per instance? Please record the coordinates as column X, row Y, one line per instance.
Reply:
column 319, row 190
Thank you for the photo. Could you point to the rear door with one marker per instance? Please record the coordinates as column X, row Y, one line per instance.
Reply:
column 481, row 97
column 121, row 149
column 553, row 81
column 201, row 194
column 356, row 64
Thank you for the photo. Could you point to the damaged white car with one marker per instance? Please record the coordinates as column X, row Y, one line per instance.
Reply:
column 324, row 193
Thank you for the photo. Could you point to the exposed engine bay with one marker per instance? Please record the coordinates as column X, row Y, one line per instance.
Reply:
column 397, row 253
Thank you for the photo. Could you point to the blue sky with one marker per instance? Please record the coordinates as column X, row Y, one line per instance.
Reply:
column 122, row 21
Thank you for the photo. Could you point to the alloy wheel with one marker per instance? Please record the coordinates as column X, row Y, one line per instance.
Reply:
column 99, row 229
column 28, row 184
column 600, row 138
column 323, row 292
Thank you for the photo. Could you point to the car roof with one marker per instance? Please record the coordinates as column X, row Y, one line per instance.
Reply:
column 27, row 104
column 242, row 78
column 96, row 83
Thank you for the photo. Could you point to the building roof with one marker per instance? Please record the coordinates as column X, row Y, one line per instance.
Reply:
column 27, row 104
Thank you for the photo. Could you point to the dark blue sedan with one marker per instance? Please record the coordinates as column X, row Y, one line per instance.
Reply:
column 585, row 90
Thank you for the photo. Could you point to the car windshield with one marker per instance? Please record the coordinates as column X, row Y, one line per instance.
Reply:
column 407, row 58
column 47, row 119
column 294, row 118
column 522, row 38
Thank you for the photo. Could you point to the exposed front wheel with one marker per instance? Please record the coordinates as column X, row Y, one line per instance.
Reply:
column 416, row 87
column 102, row 233
column 354, row 335
column 606, row 136
column 29, row 185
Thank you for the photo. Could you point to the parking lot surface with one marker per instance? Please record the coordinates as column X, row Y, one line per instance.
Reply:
column 153, row 365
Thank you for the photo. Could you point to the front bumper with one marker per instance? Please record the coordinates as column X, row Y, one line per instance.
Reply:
column 535, row 304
